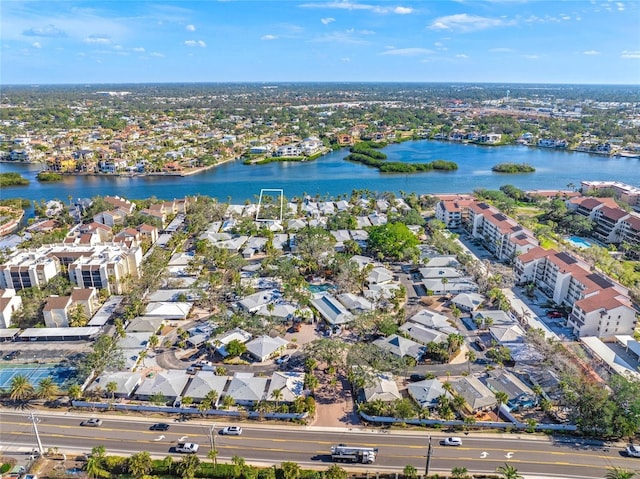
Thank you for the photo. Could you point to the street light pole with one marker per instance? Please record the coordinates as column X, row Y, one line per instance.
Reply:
column 426, row 467
column 34, row 421
column 212, row 436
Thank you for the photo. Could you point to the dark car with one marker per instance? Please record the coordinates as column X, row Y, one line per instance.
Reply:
column 480, row 344
column 417, row 377
column 11, row 355
column 159, row 427
column 554, row 314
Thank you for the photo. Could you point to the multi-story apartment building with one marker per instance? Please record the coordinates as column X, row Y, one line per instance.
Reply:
column 600, row 307
column 627, row 193
column 27, row 269
column 453, row 211
column 88, row 266
column 607, row 224
column 503, row 236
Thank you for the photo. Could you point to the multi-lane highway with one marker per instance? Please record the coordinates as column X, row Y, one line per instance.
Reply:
column 272, row 444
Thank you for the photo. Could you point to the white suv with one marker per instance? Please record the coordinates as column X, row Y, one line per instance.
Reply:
column 633, row 451
column 452, row 441
column 231, row 431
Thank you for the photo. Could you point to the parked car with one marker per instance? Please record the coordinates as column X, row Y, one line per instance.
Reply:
column 554, row 314
column 417, row 377
column 187, row 447
column 93, row 422
column 231, row 431
column 283, row 359
column 11, row 355
column 161, row 426
column 480, row 344
column 452, row 441
column 633, row 451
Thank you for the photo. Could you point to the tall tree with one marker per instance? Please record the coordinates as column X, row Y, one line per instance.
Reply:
column 140, row 464
column 188, row 466
column 47, row 389
column 20, row 388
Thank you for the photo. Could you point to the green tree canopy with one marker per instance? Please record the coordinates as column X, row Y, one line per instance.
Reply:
column 393, row 241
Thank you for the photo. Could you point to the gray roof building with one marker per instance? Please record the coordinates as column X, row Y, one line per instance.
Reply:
column 290, row 384
column 400, row 346
column 263, row 347
column 169, row 383
column 426, row 393
column 247, row 389
column 203, row 382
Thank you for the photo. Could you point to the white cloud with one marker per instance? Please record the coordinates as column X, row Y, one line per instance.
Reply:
column 464, row 22
column 630, row 54
column 345, row 59
column 195, row 43
column 462, row 55
column 268, row 37
column 501, row 50
column 591, row 52
column 327, row 21
column 48, row 31
column 347, row 37
column 36, row 45
column 98, row 40
column 408, row 52
column 347, row 5
column 531, row 57
column 620, row 6
column 138, row 49
column 157, row 54
column 191, row 28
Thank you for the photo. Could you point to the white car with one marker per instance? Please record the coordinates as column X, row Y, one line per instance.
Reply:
column 187, row 447
column 633, row 451
column 452, row 441
column 231, row 431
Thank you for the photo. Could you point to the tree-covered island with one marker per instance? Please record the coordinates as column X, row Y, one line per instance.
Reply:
column 366, row 153
column 13, row 179
column 513, row 168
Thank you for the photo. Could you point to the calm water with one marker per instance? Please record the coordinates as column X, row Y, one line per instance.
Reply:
column 332, row 175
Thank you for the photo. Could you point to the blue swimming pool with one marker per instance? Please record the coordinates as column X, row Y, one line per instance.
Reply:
column 320, row 288
column 578, row 242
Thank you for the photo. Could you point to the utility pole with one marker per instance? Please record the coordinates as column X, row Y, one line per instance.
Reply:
column 426, row 467
column 212, row 436
column 34, row 421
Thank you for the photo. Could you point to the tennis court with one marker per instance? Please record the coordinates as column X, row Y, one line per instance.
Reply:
column 61, row 375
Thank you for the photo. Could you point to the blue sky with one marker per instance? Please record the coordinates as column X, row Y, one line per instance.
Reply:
column 262, row 40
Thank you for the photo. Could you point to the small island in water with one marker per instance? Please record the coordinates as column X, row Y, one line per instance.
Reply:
column 13, row 179
column 365, row 152
column 513, row 168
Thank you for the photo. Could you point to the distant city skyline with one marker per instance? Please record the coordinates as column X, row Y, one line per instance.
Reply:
column 510, row 41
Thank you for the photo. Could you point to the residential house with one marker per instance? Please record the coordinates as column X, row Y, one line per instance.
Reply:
column 290, row 385
column 169, row 310
column 265, row 347
column 56, row 311
column 401, row 347
column 125, row 383
column 477, row 396
column 467, row 302
column 520, row 396
column 383, row 388
column 221, row 341
column 202, row 383
column 426, row 393
column 330, row 309
column 169, row 384
column 247, row 389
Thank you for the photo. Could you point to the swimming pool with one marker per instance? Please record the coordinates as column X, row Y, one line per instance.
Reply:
column 320, row 288
column 578, row 242
column 61, row 375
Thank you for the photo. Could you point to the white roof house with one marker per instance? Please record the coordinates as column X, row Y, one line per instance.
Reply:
column 400, row 346
column 137, row 341
column 448, row 261
column 379, row 275
column 468, row 301
column 290, row 384
column 507, row 333
column 220, row 342
column 331, row 309
column 431, row 319
column 203, row 382
column 247, row 389
column 168, row 310
column 144, row 324
column 377, row 292
column 280, row 310
column 255, row 301
column 263, row 347
column 496, row 317
column 125, row 382
column 423, row 335
column 171, row 295
column 384, row 388
column 452, row 286
column 477, row 395
column 169, row 383
column 427, row 392
column 361, row 261
column 355, row 303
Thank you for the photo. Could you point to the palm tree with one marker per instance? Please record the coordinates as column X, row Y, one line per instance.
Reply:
column 188, row 466
column 154, row 341
column 213, row 455
column 75, row 391
column 277, row 395
column 459, row 473
column 470, row 355
column 445, row 281
column 21, row 388
column 47, row 389
column 501, row 398
column 140, row 464
column 509, row 472
column 111, row 388
column 619, row 473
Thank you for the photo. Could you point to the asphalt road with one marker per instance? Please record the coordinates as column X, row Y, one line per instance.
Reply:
column 308, row 446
